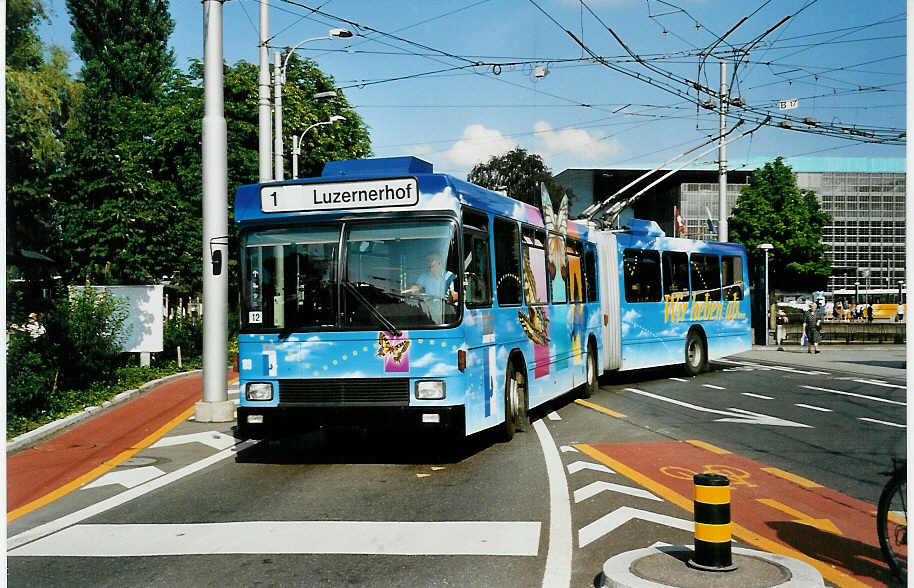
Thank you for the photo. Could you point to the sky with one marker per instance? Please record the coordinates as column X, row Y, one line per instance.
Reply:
column 455, row 82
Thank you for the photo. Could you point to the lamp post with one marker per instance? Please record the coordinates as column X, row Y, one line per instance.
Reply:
column 766, row 247
column 297, row 141
column 279, row 78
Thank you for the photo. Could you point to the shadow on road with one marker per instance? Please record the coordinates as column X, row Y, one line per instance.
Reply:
column 354, row 445
column 860, row 559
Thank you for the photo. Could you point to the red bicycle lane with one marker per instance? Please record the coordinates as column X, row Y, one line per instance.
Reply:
column 53, row 468
column 771, row 509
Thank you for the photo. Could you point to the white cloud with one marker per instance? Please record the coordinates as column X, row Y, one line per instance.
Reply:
column 477, row 145
column 575, row 141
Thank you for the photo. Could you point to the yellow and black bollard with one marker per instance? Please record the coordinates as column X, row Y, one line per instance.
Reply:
column 712, row 524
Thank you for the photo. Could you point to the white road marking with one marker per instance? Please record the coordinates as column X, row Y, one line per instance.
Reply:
column 609, row 522
column 553, row 416
column 843, row 393
column 680, row 380
column 577, row 466
column 881, row 383
column 761, row 396
column 781, row 368
column 90, row 511
column 878, row 422
column 713, row 387
column 568, row 449
column 214, row 439
column 734, row 415
column 810, row 407
column 595, row 488
column 558, row 556
column 518, row 538
column 126, row 478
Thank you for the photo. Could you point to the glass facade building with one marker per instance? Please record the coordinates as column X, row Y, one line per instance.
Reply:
column 865, row 198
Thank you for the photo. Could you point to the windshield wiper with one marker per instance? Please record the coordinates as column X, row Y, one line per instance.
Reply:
column 391, row 328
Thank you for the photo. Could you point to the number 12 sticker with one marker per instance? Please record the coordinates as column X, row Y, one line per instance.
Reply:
column 255, row 318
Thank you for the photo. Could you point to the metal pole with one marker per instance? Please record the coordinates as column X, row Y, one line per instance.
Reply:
column 215, row 406
column 295, row 157
column 277, row 116
column 767, row 303
column 722, row 173
column 264, row 128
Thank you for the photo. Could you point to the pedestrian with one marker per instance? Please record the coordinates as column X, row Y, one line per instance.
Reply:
column 33, row 327
column 869, row 313
column 811, row 328
column 781, row 328
column 899, row 313
column 839, row 311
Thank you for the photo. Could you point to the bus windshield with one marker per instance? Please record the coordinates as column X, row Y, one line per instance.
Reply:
column 392, row 275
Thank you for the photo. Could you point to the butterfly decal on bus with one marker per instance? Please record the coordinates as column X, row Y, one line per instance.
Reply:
column 396, row 351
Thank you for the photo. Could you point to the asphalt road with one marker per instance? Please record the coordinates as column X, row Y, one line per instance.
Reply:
column 587, row 481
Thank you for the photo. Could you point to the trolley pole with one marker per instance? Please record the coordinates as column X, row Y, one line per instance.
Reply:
column 215, row 406
column 722, row 169
column 264, row 130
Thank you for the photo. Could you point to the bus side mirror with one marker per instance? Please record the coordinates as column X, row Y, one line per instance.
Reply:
column 217, row 262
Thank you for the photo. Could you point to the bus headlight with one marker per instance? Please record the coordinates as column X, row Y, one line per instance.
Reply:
column 430, row 390
column 259, row 391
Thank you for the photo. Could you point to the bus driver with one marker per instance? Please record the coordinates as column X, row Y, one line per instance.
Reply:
column 434, row 281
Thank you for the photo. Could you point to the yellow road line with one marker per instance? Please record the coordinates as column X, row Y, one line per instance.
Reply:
column 103, row 468
column 599, row 408
column 832, row 575
column 792, row 477
column 708, row 447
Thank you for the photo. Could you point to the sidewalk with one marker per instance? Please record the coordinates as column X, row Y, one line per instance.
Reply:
column 98, row 440
column 878, row 360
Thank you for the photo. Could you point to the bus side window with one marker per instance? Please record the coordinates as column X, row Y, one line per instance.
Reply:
column 675, row 272
column 642, row 275
column 476, row 264
column 575, row 281
column 534, row 257
column 732, row 271
column 590, row 275
column 558, row 269
column 507, row 263
column 705, row 272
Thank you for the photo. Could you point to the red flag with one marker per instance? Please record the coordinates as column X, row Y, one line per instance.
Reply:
column 680, row 222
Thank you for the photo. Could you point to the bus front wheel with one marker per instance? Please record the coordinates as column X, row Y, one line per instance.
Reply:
column 515, row 403
column 696, row 354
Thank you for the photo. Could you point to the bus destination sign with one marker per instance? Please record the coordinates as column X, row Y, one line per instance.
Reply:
column 386, row 193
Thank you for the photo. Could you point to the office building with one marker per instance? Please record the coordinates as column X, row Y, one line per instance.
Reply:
column 865, row 198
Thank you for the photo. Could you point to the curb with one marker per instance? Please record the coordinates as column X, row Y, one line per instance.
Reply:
column 48, row 430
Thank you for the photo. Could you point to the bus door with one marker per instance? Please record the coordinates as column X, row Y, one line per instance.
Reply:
column 484, row 397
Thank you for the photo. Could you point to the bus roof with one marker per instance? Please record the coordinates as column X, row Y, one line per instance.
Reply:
column 435, row 192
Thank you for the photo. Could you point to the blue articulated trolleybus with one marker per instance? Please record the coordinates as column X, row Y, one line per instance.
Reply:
column 382, row 294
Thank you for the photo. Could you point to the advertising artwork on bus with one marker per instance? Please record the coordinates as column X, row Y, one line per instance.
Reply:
column 382, row 294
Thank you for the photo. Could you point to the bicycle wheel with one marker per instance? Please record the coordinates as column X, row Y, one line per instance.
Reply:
column 892, row 523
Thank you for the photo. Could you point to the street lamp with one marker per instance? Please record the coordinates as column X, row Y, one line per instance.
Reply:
column 279, row 78
column 766, row 247
column 297, row 141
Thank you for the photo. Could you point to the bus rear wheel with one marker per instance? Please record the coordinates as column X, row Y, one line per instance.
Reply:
column 696, row 354
column 516, row 418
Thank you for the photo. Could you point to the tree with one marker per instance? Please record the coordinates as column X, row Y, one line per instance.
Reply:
column 772, row 209
column 519, row 173
column 118, row 215
column 40, row 97
column 23, row 47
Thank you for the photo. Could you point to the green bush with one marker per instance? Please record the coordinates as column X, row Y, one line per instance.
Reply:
column 184, row 332
column 31, row 375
